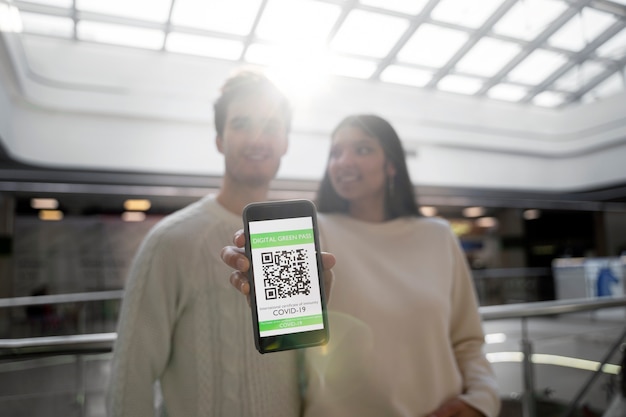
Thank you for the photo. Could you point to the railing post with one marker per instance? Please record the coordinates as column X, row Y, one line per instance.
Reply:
column 583, row 390
column 528, row 398
column 80, row 363
column 80, row 397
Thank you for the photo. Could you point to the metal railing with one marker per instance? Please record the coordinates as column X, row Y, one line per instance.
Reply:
column 103, row 342
column 544, row 309
column 81, row 297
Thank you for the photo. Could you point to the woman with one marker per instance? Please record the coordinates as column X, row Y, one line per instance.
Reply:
column 406, row 336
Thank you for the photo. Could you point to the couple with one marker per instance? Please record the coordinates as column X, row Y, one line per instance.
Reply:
column 406, row 337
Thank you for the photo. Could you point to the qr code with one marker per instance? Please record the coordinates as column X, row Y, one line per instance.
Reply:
column 285, row 273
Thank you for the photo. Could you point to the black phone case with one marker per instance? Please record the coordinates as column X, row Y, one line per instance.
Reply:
column 283, row 210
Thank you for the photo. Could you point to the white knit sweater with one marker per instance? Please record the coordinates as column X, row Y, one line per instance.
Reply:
column 182, row 323
column 405, row 332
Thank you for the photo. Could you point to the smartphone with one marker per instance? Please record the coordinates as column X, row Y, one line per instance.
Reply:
column 286, row 286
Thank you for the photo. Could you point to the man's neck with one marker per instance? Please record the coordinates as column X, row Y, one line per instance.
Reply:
column 235, row 198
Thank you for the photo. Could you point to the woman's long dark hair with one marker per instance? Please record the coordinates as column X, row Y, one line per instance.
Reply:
column 400, row 197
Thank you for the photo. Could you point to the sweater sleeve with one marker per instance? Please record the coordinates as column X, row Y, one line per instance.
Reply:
column 144, row 331
column 480, row 389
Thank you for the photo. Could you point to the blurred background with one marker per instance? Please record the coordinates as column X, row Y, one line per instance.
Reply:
column 512, row 113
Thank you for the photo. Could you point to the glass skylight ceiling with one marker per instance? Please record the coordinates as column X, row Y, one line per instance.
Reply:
column 544, row 52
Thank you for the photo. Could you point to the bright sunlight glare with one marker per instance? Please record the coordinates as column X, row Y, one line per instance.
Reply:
column 299, row 73
column 10, row 20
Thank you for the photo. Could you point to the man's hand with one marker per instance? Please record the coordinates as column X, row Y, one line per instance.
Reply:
column 456, row 408
column 235, row 257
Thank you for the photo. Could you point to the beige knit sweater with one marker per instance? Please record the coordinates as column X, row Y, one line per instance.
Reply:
column 182, row 323
column 405, row 332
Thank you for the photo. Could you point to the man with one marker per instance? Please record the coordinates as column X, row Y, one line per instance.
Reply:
column 181, row 323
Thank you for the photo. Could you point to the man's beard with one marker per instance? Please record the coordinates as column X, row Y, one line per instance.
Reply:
column 251, row 180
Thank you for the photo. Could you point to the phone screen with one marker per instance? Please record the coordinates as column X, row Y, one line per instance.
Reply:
column 287, row 299
column 286, row 276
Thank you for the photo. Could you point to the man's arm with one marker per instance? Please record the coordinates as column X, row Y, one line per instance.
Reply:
column 144, row 333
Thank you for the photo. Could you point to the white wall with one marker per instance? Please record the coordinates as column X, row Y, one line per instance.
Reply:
column 93, row 106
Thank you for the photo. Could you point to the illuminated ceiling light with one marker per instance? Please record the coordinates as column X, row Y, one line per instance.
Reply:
column 492, row 338
column 432, row 45
column 137, row 205
column 50, row 215
column 531, row 214
column 41, row 24
column 549, row 99
column 133, row 216
column 459, row 84
column 301, row 23
column 10, row 20
column 610, row 86
column 507, row 92
column 557, row 360
column 537, row 66
column 428, row 211
column 355, row 36
column 56, row 3
column 463, row 12
column 579, row 76
column 576, row 363
column 120, row 35
column 487, row 222
column 614, row 48
column 527, row 19
column 487, row 57
column 473, row 211
column 300, row 73
column 234, row 16
column 44, row 203
column 460, row 227
column 149, row 10
column 582, row 29
column 402, row 6
column 498, row 357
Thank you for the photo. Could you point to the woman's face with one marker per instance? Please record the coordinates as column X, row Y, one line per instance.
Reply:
column 357, row 166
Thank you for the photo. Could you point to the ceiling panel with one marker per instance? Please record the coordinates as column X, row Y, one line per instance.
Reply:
column 471, row 14
column 151, row 10
column 235, row 17
column 542, row 52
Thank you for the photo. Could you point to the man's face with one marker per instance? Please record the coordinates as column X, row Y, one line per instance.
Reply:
column 254, row 140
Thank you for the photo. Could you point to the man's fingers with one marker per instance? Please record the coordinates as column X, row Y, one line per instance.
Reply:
column 235, row 258
column 456, row 408
column 328, row 260
column 240, row 282
column 239, row 239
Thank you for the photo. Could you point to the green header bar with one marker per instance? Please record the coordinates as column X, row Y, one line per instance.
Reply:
column 287, row 237
column 291, row 323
